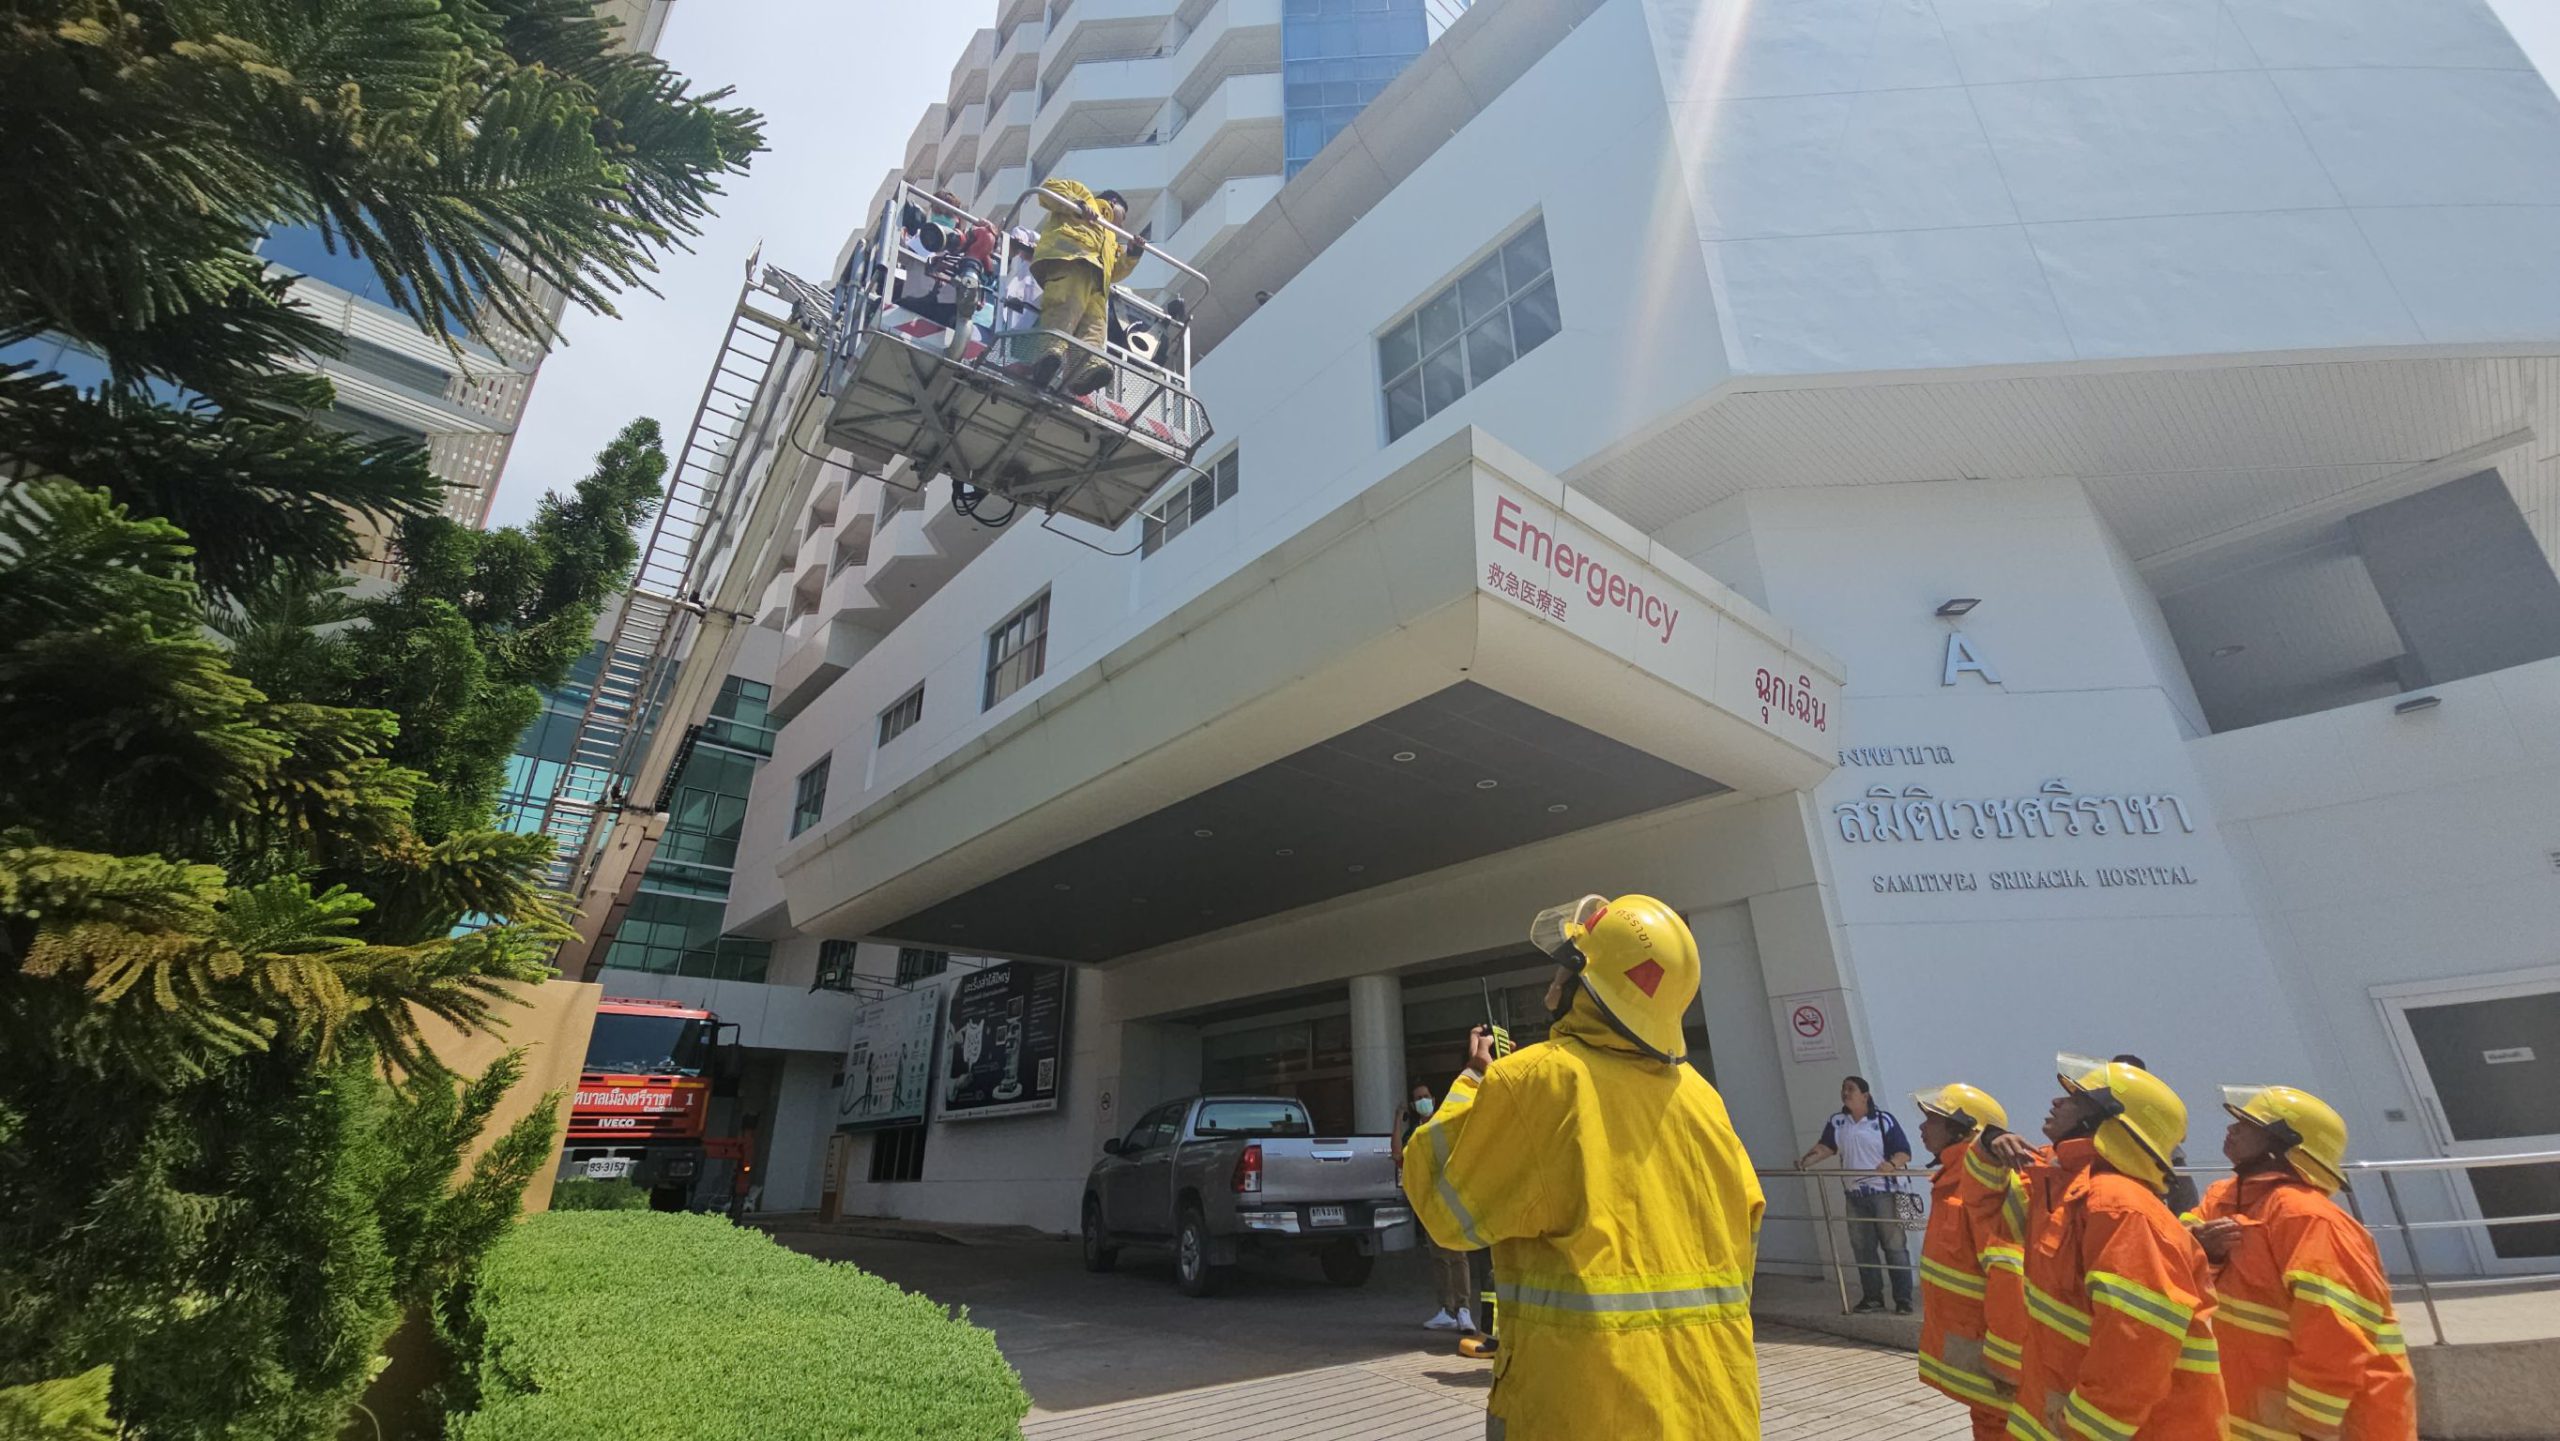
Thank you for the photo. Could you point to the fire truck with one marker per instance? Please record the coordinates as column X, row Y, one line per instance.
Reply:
column 643, row 1108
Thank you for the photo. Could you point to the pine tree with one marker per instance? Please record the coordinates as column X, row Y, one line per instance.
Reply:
column 230, row 878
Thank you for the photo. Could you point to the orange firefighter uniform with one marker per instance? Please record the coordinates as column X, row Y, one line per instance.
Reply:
column 1970, row 1252
column 1621, row 1209
column 2312, row 1345
column 1996, row 1209
column 2120, row 1340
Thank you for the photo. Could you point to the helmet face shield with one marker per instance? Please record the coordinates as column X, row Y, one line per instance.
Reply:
column 2251, row 1104
column 1945, row 1102
column 1558, row 930
column 2087, row 1078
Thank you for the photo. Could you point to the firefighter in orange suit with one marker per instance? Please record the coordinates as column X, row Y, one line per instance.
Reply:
column 2120, row 1343
column 1970, row 1242
column 1620, row 1207
column 2311, row 1346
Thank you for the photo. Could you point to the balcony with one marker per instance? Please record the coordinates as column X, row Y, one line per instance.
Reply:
column 1101, row 104
column 1209, row 227
column 959, row 153
column 1017, row 62
column 1102, row 30
column 1236, row 133
column 969, row 73
column 1238, row 37
column 926, row 139
column 1008, row 137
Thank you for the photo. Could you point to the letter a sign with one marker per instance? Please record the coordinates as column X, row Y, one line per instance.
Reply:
column 1962, row 657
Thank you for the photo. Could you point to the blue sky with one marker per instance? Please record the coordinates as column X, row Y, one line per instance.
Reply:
column 838, row 105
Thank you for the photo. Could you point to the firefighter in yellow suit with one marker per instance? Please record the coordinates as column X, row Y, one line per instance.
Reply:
column 1619, row 1205
column 1077, row 261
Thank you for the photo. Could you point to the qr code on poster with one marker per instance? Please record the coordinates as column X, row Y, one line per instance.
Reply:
column 1048, row 1079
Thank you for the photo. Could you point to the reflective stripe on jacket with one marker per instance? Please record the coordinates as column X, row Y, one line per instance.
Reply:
column 2311, row 1345
column 1623, row 1218
column 1995, row 1200
column 1067, row 237
column 1953, row 1287
column 2120, row 1338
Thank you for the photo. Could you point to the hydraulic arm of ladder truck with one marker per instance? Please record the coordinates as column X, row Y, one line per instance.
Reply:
column 722, row 614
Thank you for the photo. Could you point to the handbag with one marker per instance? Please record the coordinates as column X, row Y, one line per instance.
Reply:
column 1909, row 1208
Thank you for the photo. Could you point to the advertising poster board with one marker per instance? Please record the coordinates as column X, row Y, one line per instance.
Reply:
column 1007, row 1042
column 888, row 1070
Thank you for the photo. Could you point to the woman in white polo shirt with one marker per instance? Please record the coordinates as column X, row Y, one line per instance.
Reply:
column 1868, row 1139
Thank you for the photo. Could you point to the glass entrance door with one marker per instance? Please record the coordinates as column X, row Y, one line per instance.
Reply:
column 2485, row 1057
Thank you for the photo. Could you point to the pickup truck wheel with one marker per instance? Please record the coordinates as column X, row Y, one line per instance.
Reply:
column 1098, row 1256
column 1345, row 1265
column 1191, row 1268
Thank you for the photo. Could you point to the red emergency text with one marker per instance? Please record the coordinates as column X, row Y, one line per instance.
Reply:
column 1512, row 530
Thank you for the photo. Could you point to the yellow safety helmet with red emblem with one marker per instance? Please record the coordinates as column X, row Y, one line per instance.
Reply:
column 1635, row 958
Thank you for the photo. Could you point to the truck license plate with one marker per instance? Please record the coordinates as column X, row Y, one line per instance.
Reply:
column 608, row 1168
column 1324, row 1216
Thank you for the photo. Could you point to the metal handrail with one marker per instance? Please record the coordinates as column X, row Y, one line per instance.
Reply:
column 1013, row 216
column 2387, row 1172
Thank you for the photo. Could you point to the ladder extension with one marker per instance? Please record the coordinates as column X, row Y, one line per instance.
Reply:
column 659, row 609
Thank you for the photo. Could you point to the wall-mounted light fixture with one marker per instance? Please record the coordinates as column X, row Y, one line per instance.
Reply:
column 2417, row 703
column 1961, row 605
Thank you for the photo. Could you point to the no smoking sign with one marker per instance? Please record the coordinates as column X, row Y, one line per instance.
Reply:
column 1810, row 1034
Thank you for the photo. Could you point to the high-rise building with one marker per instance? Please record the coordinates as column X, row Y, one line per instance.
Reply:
column 2032, row 527
column 396, row 381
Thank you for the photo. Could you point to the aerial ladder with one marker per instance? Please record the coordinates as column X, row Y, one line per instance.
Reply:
column 920, row 360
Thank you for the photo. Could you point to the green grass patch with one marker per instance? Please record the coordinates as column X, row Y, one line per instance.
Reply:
column 643, row 1326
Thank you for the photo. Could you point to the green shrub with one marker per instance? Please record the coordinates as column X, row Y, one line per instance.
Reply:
column 577, row 1193
column 643, row 1326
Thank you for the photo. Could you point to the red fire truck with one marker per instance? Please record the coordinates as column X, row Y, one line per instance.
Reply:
column 644, row 1096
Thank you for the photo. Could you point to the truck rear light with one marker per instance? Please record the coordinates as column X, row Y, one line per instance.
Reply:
column 1249, row 1171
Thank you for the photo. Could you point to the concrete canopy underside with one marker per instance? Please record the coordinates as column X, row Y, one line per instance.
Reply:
column 1461, row 773
column 1467, row 609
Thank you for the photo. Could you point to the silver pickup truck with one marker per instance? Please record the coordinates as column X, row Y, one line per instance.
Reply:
column 1217, row 1176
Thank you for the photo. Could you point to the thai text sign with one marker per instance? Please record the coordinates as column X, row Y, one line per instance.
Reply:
column 1913, row 814
column 1006, row 1043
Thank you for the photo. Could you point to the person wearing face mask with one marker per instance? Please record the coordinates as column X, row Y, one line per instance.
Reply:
column 1604, row 1175
column 1449, row 1271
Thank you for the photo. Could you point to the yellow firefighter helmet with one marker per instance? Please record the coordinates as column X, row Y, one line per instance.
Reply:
column 2143, row 1121
column 2311, row 1132
column 1635, row 957
column 1970, row 1107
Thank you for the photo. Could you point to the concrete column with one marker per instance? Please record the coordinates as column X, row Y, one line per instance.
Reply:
column 1377, row 1053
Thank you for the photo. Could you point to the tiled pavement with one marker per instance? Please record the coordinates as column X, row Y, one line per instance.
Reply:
column 1812, row 1388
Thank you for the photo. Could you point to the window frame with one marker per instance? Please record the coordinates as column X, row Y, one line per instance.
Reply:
column 1220, row 480
column 1035, row 642
column 1460, row 346
column 910, row 706
column 804, row 814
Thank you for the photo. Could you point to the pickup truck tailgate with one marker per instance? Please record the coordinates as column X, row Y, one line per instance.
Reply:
column 1297, row 1170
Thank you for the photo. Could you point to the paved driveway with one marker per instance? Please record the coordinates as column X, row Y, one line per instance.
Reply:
column 1283, row 1357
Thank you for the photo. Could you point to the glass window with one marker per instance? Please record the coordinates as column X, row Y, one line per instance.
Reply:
column 1469, row 332
column 809, row 796
column 835, row 966
column 1017, row 651
column 914, row 964
column 902, row 715
column 1254, row 1118
column 1218, row 483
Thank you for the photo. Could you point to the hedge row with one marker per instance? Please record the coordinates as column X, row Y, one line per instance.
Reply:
column 577, row 1193
column 642, row 1325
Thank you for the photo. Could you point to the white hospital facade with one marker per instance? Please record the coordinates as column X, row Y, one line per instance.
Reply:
column 2031, row 524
